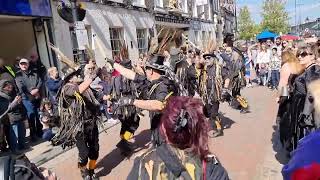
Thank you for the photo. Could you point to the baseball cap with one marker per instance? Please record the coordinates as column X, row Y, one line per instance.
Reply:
column 23, row 60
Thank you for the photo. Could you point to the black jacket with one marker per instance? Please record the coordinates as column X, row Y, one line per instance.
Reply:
column 164, row 161
column 16, row 113
column 27, row 81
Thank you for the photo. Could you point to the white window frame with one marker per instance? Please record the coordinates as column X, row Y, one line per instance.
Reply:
column 142, row 41
column 158, row 3
column 184, row 6
column 116, row 40
column 140, row 3
column 204, row 38
column 196, row 35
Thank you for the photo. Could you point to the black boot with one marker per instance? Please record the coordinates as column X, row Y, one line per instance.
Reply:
column 84, row 173
column 218, row 133
column 92, row 175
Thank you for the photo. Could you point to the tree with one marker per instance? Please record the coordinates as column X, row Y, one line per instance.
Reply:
column 246, row 26
column 275, row 17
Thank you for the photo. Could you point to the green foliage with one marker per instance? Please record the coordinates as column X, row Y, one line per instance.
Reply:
column 275, row 17
column 246, row 27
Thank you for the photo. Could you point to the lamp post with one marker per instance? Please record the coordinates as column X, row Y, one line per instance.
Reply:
column 295, row 16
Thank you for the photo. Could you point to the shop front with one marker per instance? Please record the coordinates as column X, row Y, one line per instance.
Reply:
column 26, row 31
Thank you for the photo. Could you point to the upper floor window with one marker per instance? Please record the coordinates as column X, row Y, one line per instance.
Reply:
column 183, row 5
column 142, row 39
column 140, row 3
column 116, row 39
column 158, row 3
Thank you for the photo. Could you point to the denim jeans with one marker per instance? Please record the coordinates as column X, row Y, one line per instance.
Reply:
column 33, row 118
column 47, row 134
column 17, row 136
column 275, row 78
column 263, row 79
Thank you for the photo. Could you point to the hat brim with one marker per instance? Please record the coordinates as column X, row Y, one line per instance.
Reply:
column 208, row 55
column 154, row 67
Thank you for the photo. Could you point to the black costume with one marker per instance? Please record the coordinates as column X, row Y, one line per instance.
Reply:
column 128, row 115
column 209, row 88
column 301, row 123
column 79, row 124
column 172, row 163
column 234, row 70
column 186, row 74
column 160, row 89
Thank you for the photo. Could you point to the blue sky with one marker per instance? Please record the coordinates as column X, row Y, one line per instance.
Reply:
column 305, row 8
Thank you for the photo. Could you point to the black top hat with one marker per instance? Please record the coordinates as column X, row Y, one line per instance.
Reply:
column 209, row 55
column 65, row 12
column 69, row 73
column 156, row 62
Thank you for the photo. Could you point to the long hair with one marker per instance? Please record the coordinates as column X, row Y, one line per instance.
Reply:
column 292, row 60
column 194, row 135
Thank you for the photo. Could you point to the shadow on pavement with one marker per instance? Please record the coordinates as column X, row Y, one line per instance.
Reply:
column 225, row 121
column 281, row 154
column 114, row 158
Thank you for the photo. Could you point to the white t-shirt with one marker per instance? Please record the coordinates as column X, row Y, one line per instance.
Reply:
column 264, row 57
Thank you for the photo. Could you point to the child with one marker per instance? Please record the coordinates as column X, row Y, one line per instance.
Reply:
column 263, row 73
column 275, row 66
column 48, row 119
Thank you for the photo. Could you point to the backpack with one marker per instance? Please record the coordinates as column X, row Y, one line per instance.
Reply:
column 16, row 168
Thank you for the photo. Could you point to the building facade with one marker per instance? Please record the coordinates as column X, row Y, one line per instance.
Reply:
column 308, row 28
column 110, row 23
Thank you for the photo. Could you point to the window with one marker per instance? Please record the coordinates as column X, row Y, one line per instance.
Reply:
column 140, row 3
column 142, row 40
column 196, row 38
column 210, row 35
column 184, row 5
column 116, row 39
column 159, row 3
column 204, row 38
column 206, row 11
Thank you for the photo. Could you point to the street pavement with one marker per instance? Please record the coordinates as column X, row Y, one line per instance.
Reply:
column 247, row 150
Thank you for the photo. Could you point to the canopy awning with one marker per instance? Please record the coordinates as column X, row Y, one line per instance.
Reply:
column 266, row 35
column 289, row 37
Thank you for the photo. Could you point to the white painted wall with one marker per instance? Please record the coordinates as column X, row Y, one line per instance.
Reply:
column 61, row 32
column 102, row 17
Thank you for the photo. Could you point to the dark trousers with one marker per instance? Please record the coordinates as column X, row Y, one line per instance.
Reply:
column 4, row 136
column 87, row 143
column 211, row 111
column 33, row 118
column 275, row 78
column 17, row 135
column 130, row 124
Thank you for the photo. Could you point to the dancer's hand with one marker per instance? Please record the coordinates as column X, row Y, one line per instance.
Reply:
column 125, row 101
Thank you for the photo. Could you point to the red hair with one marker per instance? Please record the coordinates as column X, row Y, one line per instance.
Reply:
column 195, row 134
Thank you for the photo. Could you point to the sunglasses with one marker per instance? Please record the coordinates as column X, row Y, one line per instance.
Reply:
column 91, row 68
column 304, row 54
